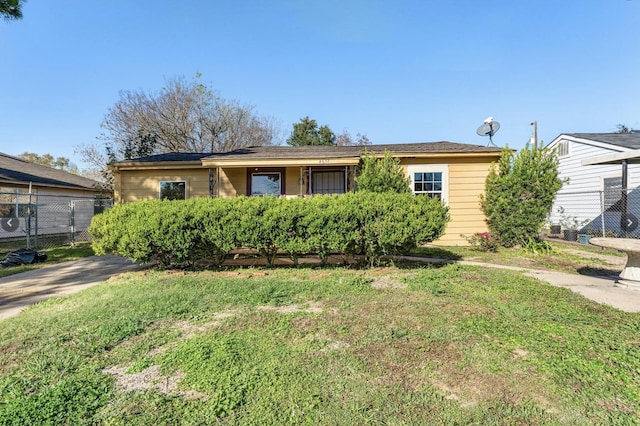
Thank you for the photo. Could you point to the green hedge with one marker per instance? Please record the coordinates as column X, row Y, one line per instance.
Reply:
column 365, row 224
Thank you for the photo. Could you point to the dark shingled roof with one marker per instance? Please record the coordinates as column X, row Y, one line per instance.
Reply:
column 14, row 170
column 170, row 156
column 269, row 152
column 317, row 151
column 624, row 140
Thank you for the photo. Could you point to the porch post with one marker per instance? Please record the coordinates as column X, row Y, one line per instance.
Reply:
column 301, row 182
column 346, row 178
column 217, row 191
column 211, row 183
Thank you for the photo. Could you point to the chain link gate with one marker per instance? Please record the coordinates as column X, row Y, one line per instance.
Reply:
column 611, row 213
column 43, row 221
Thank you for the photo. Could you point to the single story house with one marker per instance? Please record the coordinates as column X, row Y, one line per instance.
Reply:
column 25, row 185
column 454, row 172
column 591, row 164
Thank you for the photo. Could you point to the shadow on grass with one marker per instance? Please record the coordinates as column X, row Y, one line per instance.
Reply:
column 435, row 252
column 419, row 264
column 425, row 257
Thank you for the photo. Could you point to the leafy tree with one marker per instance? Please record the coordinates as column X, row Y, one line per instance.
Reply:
column 382, row 174
column 519, row 194
column 307, row 132
column 11, row 9
column 49, row 160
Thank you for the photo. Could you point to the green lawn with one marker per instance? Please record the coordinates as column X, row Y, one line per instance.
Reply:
column 399, row 345
column 572, row 258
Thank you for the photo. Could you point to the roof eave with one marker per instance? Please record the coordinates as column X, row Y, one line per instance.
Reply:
column 133, row 165
column 586, row 141
column 632, row 157
column 333, row 161
column 282, row 162
column 48, row 185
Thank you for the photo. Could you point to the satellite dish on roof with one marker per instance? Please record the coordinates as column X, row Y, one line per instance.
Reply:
column 489, row 128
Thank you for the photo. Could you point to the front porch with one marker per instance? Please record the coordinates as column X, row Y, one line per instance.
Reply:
column 296, row 181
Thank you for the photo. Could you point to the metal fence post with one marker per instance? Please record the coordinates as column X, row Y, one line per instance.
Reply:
column 604, row 231
column 33, row 211
column 28, row 230
column 72, row 236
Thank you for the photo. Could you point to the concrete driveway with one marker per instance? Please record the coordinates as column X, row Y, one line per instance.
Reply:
column 27, row 288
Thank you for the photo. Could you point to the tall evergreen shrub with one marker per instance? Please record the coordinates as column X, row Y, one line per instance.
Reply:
column 382, row 174
column 519, row 194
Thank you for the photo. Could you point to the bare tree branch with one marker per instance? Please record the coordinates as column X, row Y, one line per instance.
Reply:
column 184, row 116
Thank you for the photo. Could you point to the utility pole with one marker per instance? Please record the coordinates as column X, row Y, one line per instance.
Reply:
column 535, row 134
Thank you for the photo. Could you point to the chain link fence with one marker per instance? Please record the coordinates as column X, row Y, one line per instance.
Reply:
column 42, row 221
column 613, row 213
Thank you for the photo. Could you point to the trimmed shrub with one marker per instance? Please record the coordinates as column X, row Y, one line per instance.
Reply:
column 396, row 223
column 218, row 220
column 292, row 235
column 368, row 224
column 258, row 227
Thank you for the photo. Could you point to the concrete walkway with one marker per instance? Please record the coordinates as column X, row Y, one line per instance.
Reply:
column 599, row 289
column 27, row 288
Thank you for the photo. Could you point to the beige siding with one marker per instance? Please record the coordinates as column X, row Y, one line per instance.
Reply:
column 136, row 185
column 466, row 178
column 293, row 186
column 466, row 183
column 233, row 182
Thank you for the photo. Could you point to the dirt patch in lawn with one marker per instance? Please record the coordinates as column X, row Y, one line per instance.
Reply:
column 387, row 282
column 310, row 307
column 151, row 378
column 189, row 329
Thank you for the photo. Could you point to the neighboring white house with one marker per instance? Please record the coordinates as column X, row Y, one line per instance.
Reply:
column 592, row 196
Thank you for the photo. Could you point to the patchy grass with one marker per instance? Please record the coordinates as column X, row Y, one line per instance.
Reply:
column 427, row 345
column 54, row 255
column 565, row 257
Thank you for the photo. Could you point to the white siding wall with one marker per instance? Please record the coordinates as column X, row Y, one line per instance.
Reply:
column 578, row 196
column 589, row 178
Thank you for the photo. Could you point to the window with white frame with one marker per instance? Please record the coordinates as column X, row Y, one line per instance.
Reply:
column 173, row 190
column 430, row 180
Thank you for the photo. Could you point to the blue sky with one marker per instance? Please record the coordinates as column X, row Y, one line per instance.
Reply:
column 398, row 71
